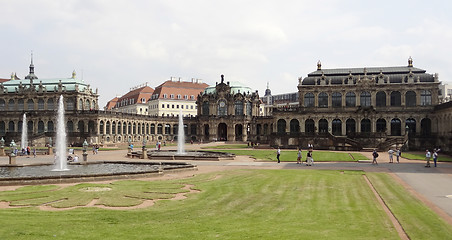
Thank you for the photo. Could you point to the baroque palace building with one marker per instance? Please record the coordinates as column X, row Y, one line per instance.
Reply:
column 351, row 108
column 354, row 108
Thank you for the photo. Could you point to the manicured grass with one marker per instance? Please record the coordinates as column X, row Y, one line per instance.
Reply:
column 419, row 221
column 291, row 155
column 244, row 204
column 240, row 204
column 421, row 156
column 227, row 146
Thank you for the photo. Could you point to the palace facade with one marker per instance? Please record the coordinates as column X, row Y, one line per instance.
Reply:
column 350, row 108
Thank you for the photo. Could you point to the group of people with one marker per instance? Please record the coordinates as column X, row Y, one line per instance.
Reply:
column 428, row 155
column 309, row 159
column 398, row 154
column 95, row 149
column 27, row 151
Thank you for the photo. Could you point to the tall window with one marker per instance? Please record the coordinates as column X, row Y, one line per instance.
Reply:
column 365, row 125
column 323, row 100
column 50, row 105
column 294, row 126
column 323, row 125
column 396, row 127
column 337, row 127
column 20, row 104
column 238, row 105
column 281, row 126
column 410, row 99
column 309, row 100
column 350, row 126
column 365, row 99
column 381, row 99
column 426, row 98
column 350, row 99
column 396, row 99
column 2, row 104
column 248, row 109
column 30, row 104
column 336, row 99
column 381, row 125
column 11, row 104
column 222, row 110
column 40, row 104
column 309, row 126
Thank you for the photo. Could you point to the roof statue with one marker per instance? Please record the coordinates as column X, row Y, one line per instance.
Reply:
column 319, row 65
column 410, row 62
column 74, row 74
column 222, row 78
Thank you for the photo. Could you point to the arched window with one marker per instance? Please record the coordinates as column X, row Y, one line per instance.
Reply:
column 410, row 99
column 40, row 127
column 336, row 127
column 134, row 129
column 380, row 99
column 50, row 127
column 381, row 125
column 365, row 99
column 139, row 128
column 248, row 109
column 70, row 104
column 323, row 126
column 323, row 100
column 2, row 105
column 160, row 129
column 113, row 128
column 80, row 104
column 426, row 98
column 294, row 126
column 11, row 104
column 222, row 108
column 41, row 104
column 50, row 104
column 350, row 99
column 19, row 126
column 167, row 129
column 101, row 127
column 70, row 126
column 11, row 127
column 108, row 127
column 309, row 100
column 175, row 129
column 205, row 108
column 30, row 104
column 426, row 127
column 152, row 128
column 365, row 126
column 30, row 127
column 129, row 128
column 2, row 128
column 238, row 105
column 87, row 105
column 396, row 99
column 411, row 124
column 258, row 129
column 20, row 105
column 119, row 128
column 350, row 126
column 336, row 99
column 309, row 126
column 281, row 126
column 147, row 128
column 396, row 127
column 81, row 126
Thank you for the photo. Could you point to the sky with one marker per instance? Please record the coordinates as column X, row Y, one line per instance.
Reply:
column 117, row 45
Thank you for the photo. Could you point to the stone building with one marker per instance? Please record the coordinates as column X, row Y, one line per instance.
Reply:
column 227, row 112
column 361, row 107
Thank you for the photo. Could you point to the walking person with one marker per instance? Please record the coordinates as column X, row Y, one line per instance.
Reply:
column 428, row 155
column 34, row 152
column 435, row 156
column 398, row 153
column 375, row 156
column 309, row 158
column 299, row 156
column 391, row 153
column 278, row 152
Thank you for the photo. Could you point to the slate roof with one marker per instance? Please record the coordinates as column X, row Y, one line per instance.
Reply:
column 49, row 84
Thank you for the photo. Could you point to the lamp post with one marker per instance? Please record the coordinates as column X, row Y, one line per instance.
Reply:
column 145, row 153
column 12, row 155
column 130, row 145
column 2, row 147
column 85, row 155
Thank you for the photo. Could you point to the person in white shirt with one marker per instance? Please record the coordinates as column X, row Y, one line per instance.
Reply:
column 428, row 155
column 397, row 155
column 391, row 152
column 278, row 152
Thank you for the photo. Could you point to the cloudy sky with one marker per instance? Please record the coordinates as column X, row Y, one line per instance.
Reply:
column 116, row 45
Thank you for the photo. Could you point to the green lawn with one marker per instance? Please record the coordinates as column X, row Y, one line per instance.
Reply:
column 240, row 204
column 421, row 156
column 291, row 155
column 227, row 146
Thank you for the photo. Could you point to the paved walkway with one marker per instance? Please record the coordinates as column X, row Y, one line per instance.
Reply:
column 431, row 184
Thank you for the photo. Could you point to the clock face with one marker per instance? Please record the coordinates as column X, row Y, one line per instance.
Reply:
column 222, row 104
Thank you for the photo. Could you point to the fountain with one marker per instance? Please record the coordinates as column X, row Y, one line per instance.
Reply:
column 24, row 137
column 61, row 147
column 181, row 135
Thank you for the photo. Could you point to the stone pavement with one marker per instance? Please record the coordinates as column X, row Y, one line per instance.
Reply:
column 431, row 184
